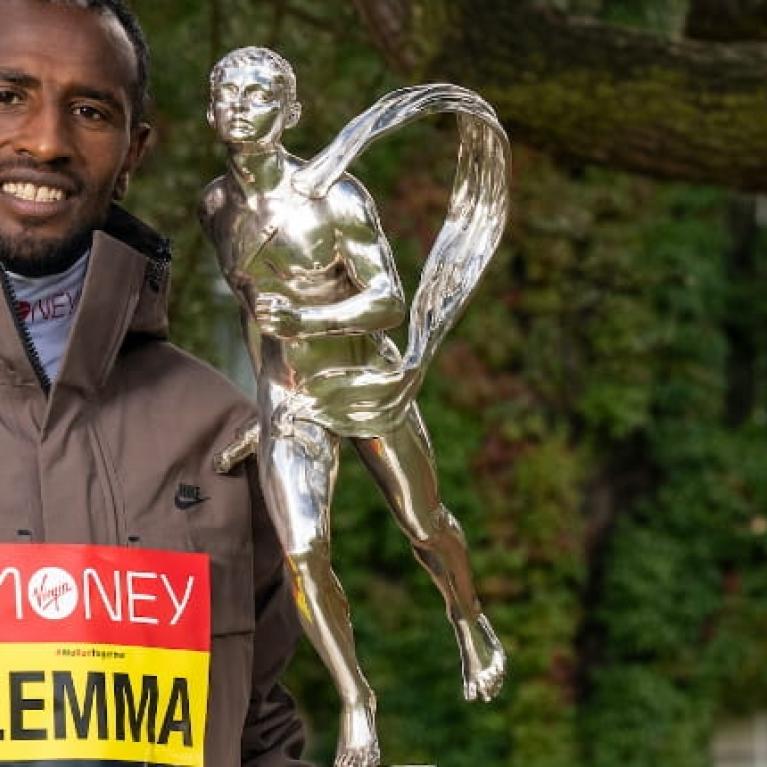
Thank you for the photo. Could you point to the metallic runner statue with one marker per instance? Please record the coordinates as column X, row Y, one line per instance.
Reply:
column 301, row 247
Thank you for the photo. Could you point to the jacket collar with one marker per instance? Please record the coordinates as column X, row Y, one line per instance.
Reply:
column 151, row 315
column 124, row 298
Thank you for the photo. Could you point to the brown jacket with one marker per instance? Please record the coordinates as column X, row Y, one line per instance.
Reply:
column 100, row 458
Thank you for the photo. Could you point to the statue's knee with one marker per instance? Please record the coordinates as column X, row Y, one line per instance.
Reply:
column 314, row 553
column 311, row 572
column 303, row 537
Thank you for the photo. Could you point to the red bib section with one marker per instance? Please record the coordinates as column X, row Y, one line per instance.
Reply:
column 104, row 655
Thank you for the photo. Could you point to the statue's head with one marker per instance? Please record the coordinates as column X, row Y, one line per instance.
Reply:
column 252, row 97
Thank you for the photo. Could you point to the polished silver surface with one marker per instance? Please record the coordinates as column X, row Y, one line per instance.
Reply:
column 301, row 247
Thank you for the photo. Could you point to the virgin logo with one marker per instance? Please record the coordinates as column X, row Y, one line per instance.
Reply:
column 52, row 593
column 133, row 596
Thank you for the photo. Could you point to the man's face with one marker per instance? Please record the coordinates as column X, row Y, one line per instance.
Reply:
column 66, row 140
column 250, row 105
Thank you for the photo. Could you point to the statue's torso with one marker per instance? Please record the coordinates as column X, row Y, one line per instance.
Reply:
column 291, row 245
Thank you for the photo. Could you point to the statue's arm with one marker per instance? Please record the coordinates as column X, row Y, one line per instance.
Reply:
column 369, row 263
column 211, row 202
column 211, row 215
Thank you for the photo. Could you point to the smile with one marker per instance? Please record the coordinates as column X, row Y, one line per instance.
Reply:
column 33, row 192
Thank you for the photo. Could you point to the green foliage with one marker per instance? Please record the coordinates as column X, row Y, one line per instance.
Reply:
column 666, row 658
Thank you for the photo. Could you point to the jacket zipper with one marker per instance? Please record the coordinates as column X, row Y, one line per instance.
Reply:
column 23, row 331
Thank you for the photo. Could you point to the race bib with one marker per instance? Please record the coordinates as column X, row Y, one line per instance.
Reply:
column 104, row 655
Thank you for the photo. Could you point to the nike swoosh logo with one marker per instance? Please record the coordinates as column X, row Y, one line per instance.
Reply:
column 184, row 503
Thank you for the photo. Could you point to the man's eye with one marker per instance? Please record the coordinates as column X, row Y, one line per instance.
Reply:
column 9, row 97
column 89, row 112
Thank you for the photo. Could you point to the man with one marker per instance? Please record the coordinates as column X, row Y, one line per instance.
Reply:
column 107, row 432
column 318, row 285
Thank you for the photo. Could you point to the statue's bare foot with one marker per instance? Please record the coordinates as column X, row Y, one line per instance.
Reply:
column 357, row 740
column 483, row 659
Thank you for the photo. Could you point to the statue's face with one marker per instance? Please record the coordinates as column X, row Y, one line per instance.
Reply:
column 250, row 105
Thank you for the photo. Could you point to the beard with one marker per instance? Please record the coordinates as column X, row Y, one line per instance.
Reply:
column 32, row 256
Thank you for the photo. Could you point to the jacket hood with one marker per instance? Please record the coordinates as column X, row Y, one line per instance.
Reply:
column 150, row 317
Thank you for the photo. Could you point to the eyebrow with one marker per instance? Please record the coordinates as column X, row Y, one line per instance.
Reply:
column 17, row 77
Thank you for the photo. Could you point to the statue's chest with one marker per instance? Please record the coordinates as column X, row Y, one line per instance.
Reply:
column 291, row 245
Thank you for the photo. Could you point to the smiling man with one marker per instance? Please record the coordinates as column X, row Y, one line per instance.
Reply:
column 107, row 434
column 71, row 105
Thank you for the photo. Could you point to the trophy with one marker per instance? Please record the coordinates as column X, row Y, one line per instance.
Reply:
column 300, row 245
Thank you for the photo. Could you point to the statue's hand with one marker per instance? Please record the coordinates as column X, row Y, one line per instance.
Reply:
column 244, row 445
column 277, row 316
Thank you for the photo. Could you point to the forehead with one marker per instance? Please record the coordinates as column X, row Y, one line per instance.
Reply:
column 266, row 75
column 60, row 42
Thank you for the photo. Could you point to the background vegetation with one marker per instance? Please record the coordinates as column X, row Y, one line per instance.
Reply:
column 599, row 415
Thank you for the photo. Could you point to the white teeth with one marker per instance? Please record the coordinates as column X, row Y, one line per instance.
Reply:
column 47, row 194
column 32, row 193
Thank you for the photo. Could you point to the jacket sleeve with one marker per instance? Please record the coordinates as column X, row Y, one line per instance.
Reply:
column 273, row 735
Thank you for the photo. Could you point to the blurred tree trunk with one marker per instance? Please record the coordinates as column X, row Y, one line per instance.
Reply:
column 739, row 326
column 722, row 20
column 216, row 23
column 592, row 92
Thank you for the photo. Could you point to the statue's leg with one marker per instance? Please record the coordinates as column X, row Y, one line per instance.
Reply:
column 402, row 463
column 298, row 488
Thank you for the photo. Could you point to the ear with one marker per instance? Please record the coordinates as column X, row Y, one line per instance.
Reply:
column 294, row 115
column 139, row 143
column 211, row 117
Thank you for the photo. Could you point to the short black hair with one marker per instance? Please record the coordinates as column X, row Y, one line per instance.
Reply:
column 128, row 21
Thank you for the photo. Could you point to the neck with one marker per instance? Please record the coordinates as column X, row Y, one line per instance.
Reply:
column 262, row 170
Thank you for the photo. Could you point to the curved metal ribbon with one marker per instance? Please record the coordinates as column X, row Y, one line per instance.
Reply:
column 363, row 402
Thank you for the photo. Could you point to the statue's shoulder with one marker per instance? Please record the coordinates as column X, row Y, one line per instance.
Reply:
column 212, row 201
column 349, row 194
column 214, row 194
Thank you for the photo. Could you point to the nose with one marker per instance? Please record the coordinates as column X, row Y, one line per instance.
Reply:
column 44, row 134
column 241, row 103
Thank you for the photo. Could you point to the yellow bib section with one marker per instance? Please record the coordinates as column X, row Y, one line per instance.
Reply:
column 111, row 702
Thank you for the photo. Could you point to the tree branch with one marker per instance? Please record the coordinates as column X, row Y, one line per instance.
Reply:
column 727, row 20
column 593, row 92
